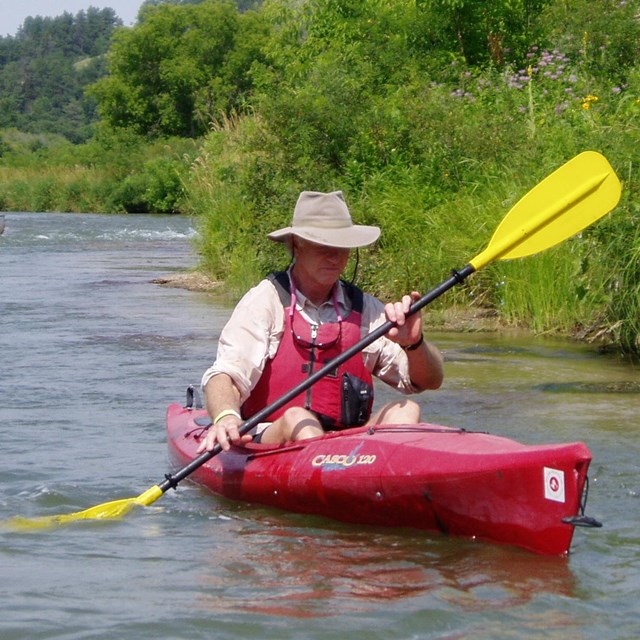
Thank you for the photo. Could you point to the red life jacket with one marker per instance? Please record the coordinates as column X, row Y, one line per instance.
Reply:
column 342, row 398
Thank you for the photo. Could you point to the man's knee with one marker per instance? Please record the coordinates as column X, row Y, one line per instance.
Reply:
column 300, row 424
column 293, row 416
column 399, row 412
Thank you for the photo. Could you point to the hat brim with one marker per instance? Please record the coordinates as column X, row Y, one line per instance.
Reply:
column 339, row 237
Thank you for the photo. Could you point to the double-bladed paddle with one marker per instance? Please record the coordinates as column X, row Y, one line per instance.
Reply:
column 569, row 200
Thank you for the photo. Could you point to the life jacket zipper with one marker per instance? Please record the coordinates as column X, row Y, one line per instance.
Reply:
column 312, row 359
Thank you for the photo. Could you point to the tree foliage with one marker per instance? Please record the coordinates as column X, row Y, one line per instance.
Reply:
column 480, row 31
column 180, row 67
column 45, row 67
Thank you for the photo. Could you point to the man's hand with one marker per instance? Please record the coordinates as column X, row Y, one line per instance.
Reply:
column 425, row 361
column 408, row 329
column 224, row 432
column 222, row 400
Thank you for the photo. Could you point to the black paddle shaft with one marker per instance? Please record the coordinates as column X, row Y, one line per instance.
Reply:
column 172, row 480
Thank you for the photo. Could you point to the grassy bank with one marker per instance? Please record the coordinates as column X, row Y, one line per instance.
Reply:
column 589, row 286
column 113, row 173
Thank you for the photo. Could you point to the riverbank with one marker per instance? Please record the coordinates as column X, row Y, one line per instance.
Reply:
column 456, row 319
column 191, row 280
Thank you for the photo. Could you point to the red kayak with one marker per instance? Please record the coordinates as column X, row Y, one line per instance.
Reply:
column 422, row 476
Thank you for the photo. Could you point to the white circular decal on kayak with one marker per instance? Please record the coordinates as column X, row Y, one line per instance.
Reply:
column 553, row 484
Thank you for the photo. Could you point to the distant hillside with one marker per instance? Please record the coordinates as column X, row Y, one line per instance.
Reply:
column 45, row 67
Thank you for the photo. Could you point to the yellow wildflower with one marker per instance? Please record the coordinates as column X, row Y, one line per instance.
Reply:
column 588, row 101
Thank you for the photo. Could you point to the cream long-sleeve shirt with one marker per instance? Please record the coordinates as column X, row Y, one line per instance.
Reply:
column 252, row 335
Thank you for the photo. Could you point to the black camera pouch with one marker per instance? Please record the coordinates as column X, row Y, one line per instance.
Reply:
column 356, row 400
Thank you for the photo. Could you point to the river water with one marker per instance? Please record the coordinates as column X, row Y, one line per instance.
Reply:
column 91, row 352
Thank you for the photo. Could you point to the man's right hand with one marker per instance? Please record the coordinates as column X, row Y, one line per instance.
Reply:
column 225, row 433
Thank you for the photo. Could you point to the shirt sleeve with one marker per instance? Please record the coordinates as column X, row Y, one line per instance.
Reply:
column 384, row 358
column 250, row 337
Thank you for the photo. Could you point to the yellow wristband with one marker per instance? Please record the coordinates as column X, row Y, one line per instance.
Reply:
column 225, row 413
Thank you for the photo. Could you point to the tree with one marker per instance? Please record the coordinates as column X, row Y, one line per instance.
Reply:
column 178, row 68
column 479, row 31
column 45, row 67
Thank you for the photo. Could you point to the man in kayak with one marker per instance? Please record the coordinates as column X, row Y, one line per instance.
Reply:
column 295, row 321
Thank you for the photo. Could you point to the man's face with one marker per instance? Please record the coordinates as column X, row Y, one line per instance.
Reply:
column 317, row 263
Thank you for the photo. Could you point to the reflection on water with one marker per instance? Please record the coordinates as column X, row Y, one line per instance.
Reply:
column 277, row 567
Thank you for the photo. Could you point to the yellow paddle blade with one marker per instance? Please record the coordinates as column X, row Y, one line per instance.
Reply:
column 569, row 200
column 105, row 511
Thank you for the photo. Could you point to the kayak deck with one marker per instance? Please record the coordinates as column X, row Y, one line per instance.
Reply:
column 422, row 476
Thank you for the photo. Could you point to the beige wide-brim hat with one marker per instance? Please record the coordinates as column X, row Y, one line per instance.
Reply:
column 324, row 218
